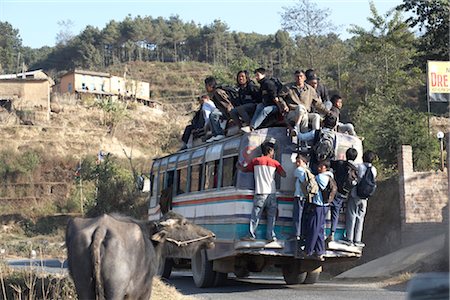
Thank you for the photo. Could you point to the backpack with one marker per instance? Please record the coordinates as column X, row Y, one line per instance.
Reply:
column 232, row 92
column 324, row 147
column 329, row 191
column 347, row 182
column 278, row 83
column 367, row 185
column 309, row 186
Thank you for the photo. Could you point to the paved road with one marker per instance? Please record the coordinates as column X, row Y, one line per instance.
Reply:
column 46, row 265
column 266, row 287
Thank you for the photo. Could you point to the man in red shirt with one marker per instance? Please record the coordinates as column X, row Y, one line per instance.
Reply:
column 264, row 168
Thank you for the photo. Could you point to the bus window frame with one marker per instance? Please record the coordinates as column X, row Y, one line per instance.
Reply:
column 185, row 165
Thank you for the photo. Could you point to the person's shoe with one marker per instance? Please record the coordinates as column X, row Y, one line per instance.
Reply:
column 248, row 238
column 330, row 238
column 219, row 137
column 246, row 129
column 346, row 242
column 274, row 239
column 211, row 139
column 360, row 244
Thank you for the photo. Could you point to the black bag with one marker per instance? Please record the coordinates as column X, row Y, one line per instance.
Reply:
column 349, row 180
column 329, row 192
column 232, row 92
column 367, row 185
column 324, row 146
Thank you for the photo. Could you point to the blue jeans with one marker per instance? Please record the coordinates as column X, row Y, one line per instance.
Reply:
column 261, row 201
column 354, row 221
column 261, row 113
column 298, row 215
column 335, row 210
column 214, row 120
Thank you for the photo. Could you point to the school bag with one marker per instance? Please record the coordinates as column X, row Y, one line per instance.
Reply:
column 329, row 191
column 324, row 147
column 346, row 183
column 367, row 185
column 309, row 186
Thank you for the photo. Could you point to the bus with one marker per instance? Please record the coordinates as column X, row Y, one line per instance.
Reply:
column 204, row 185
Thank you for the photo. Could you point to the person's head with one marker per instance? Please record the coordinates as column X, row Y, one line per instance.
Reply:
column 369, row 156
column 323, row 166
column 260, row 73
column 330, row 121
column 312, row 80
column 351, row 154
column 268, row 149
column 301, row 160
column 299, row 77
column 210, row 84
column 309, row 73
column 242, row 77
column 337, row 101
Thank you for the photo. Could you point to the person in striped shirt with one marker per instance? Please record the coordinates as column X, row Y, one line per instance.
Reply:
column 264, row 169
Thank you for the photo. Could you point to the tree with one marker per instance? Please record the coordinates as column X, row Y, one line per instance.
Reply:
column 433, row 17
column 65, row 33
column 10, row 47
column 306, row 19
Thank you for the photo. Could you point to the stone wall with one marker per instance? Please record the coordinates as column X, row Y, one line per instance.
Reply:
column 423, row 200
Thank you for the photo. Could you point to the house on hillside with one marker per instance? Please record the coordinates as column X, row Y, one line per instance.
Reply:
column 27, row 94
column 81, row 82
column 100, row 84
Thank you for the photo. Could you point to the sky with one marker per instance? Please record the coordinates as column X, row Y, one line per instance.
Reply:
column 37, row 20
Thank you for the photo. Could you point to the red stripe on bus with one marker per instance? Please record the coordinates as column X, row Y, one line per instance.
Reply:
column 225, row 198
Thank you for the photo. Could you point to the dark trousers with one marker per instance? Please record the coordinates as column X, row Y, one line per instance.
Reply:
column 187, row 133
column 335, row 208
column 315, row 240
column 299, row 216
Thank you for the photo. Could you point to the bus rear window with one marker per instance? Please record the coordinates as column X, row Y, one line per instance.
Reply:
column 196, row 175
column 181, row 181
column 211, row 174
column 229, row 171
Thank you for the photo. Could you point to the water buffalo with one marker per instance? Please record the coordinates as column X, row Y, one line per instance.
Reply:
column 116, row 257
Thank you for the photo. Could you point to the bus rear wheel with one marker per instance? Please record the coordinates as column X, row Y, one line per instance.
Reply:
column 292, row 274
column 202, row 270
column 165, row 268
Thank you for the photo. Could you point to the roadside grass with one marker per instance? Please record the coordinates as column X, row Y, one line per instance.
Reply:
column 34, row 283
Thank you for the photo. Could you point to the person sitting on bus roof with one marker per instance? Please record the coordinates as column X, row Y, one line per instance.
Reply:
column 199, row 121
column 321, row 89
column 336, row 100
column 300, row 106
column 248, row 99
column 264, row 168
column 268, row 108
column 223, row 101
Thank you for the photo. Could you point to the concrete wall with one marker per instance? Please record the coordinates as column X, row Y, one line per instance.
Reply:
column 423, row 200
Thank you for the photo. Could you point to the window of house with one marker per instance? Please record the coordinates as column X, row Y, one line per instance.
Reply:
column 229, row 171
column 196, row 175
column 69, row 87
column 211, row 174
column 181, row 181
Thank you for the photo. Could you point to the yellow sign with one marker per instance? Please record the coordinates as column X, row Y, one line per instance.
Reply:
column 438, row 77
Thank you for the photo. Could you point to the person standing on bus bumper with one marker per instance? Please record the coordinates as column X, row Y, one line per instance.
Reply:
column 317, row 211
column 264, row 168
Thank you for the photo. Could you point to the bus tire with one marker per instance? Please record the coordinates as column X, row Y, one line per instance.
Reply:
column 313, row 276
column 202, row 270
column 292, row 274
column 165, row 268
